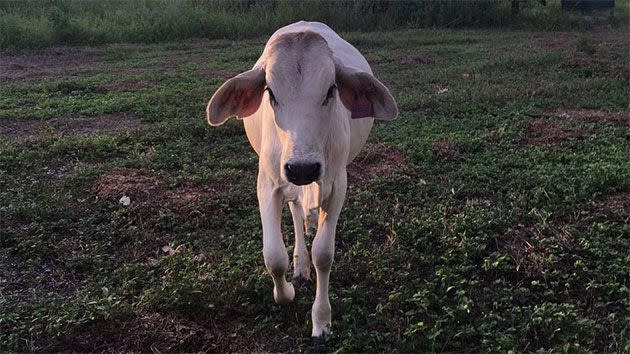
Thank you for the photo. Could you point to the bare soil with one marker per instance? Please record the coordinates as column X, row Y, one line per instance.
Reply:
column 376, row 160
column 621, row 119
column 25, row 65
column 550, row 132
column 616, row 205
column 145, row 331
column 535, row 42
column 145, row 189
column 74, row 125
column 523, row 244
column 413, row 57
column 610, row 61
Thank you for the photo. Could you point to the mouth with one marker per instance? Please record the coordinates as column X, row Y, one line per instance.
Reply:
column 302, row 182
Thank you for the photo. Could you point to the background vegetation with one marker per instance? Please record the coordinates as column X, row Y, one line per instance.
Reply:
column 491, row 216
column 48, row 22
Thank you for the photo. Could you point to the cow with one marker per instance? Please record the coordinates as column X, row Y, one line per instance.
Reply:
column 308, row 105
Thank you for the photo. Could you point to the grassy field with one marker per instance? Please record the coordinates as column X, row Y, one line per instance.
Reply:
column 491, row 216
column 37, row 24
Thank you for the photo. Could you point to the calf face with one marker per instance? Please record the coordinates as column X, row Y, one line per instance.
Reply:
column 309, row 93
column 300, row 75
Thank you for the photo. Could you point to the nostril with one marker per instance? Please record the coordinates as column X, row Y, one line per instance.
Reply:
column 290, row 169
column 302, row 173
column 315, row 170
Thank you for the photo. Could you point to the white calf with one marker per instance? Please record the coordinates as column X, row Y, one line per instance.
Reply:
column 309, row 103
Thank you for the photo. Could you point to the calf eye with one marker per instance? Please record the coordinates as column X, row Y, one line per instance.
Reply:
column 272, row 98
column 329, row 94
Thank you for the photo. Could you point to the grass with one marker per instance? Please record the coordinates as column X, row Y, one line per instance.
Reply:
column 36, row 24
column 491, row 216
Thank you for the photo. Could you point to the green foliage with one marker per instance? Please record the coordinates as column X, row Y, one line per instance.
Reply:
column 37, row 24
column 467, row 232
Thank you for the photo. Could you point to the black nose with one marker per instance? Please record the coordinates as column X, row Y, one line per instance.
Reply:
column 302, row 173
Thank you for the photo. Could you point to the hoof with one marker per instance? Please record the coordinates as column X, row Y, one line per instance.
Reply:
column 319, row 343
column 302, row 283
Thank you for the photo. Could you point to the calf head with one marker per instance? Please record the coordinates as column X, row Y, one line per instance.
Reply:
column 310, row 94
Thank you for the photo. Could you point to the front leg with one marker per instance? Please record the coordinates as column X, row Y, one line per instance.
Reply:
column 270, row 201
column 323, row 251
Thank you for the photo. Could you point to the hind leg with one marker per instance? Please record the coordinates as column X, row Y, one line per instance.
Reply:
column 301, row 259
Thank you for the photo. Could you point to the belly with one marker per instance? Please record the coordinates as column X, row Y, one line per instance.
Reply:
column 359, row 132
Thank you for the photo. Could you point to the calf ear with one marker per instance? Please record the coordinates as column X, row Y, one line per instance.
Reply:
column 239, row 96
column 364, row 95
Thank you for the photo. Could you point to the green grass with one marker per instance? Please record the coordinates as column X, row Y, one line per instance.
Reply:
column 466, row 226
column 35, row 24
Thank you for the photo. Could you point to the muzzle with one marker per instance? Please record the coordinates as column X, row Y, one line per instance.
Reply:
column 302, row 173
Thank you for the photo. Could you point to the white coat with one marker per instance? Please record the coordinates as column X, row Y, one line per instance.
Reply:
column 308, row 105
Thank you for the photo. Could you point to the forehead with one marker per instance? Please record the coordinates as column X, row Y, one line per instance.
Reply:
column 297, row 61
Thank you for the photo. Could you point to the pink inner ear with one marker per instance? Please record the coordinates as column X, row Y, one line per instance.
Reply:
column 245, row 103
column 362, row 108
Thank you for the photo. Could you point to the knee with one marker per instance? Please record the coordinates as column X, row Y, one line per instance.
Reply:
column 323, row 259
column 276, row 261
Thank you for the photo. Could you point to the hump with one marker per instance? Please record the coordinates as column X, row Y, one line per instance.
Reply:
column 343, row 51
column 297, row 40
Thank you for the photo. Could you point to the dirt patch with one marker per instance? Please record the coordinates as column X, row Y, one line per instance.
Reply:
column 18, row 128
column 127, row 181
column 31, row 128
column 130, row 85
column 621, row 119
column 592, row 56
column 413, row 58
column 141, row 332
column 174, row 332
column 143, row 189
column 376, row 160
column 24, row 282
column 145, row 200
column 443, row 147
column 534, row 42
column 552, row 40
column 614, row 205
column 590, row 63
column 550, row 132
column 526, row 247
column 519, row 245
column 42, row 63
column 219, row 74
column 608, row 50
